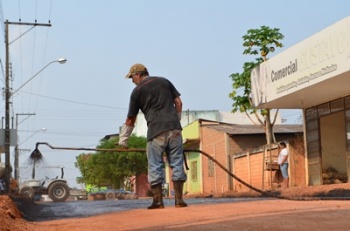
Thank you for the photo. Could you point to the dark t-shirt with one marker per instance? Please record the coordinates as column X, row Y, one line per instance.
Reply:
column 154, row 96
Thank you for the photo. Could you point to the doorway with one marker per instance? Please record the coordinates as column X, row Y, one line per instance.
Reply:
column 333, row 148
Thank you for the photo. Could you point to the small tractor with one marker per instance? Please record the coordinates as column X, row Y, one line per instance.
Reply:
column 57, row 188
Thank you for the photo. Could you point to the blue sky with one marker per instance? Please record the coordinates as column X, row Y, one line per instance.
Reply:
column 196, row 44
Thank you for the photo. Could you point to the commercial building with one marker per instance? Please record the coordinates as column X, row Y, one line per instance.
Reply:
column 314, row 75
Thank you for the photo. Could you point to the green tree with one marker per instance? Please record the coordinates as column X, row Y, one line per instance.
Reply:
column 112, row 168
column 262, row 42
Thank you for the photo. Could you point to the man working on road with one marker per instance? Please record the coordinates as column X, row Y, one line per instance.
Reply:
column 160, row 102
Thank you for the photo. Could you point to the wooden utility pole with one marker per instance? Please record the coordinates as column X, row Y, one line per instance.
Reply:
column 7, row 99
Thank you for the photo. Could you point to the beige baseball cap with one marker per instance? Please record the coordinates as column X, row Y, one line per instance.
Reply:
column 138, row 67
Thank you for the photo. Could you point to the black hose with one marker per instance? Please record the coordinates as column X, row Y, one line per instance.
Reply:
column 203, row 153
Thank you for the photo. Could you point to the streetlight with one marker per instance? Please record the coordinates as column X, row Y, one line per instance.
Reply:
column 8, row 94
column 42, row 129
column 60, row 61
column 16, row 162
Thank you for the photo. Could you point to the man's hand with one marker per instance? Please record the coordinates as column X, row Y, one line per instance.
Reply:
column 124, row 135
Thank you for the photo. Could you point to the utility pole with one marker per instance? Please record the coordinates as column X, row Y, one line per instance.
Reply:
column 7, row 100
column 16, row 162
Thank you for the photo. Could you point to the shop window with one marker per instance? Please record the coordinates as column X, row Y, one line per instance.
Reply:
column 337, row 105
column 323, row 109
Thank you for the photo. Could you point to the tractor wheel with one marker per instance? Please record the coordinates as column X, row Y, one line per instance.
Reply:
column 27, row 192
column 110, row 196
column 58, row 191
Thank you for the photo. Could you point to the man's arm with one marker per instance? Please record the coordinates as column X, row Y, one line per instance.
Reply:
column 130, row 121
column 178, row 106
column 126, row 131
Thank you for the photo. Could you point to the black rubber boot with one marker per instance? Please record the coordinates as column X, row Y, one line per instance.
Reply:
column 179, row 202
column 157, row 197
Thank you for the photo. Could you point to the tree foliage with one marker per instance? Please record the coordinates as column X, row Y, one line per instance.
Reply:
column 112, row 168
column 262, row 42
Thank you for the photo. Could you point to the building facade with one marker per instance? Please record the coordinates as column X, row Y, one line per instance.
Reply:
column 225, row 143
column 314, row 75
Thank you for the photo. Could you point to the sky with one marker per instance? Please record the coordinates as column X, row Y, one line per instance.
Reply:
column 197, row 44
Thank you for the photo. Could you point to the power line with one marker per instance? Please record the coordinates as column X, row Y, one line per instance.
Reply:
column 2, row 21
column 75, row 102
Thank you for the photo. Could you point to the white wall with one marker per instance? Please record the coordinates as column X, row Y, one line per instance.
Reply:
column 190, row 116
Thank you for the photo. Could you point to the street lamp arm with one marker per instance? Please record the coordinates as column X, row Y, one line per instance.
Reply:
column 43, row 129
column 61, row 61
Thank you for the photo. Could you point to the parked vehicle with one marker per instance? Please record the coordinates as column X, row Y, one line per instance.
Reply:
column 105, row 193
column 78, row 194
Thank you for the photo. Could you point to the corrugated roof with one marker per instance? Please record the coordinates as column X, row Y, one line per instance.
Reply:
column 236, row 129
column 191, row 143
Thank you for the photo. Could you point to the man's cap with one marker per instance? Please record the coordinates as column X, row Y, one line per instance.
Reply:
column 138, row 67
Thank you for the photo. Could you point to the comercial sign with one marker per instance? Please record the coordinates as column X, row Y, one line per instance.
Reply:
column 318, row 58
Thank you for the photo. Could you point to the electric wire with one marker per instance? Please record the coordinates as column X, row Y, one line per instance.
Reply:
column 50, row 10
column 2, row 19
column 33, row 54
column 19, row 10
column 44, row 51
column 33, row 59
column 36, row 10
column 75, row 102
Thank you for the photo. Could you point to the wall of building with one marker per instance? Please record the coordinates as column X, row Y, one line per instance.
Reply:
column 327, row 138
column 191, row 131
column 215, row 180
column 297, row 158
column 250, row 167
column 240, row 143
column 194, row 174
column 241, row 169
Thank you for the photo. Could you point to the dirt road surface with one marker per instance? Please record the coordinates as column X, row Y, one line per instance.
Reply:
column 265, row 214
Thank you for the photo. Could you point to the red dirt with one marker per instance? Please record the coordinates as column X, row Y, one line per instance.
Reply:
column 275, row 214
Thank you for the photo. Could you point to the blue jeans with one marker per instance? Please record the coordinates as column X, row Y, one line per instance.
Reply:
column 284, row 170
column 169, row 142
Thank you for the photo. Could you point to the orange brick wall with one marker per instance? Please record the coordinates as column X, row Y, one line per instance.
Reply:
column 297, row 158
column 249, row 168
column 213, row 143
column 256, row 168
column 240, row 169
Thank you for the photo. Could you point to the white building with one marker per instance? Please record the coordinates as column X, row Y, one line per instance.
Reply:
column 214, row 115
